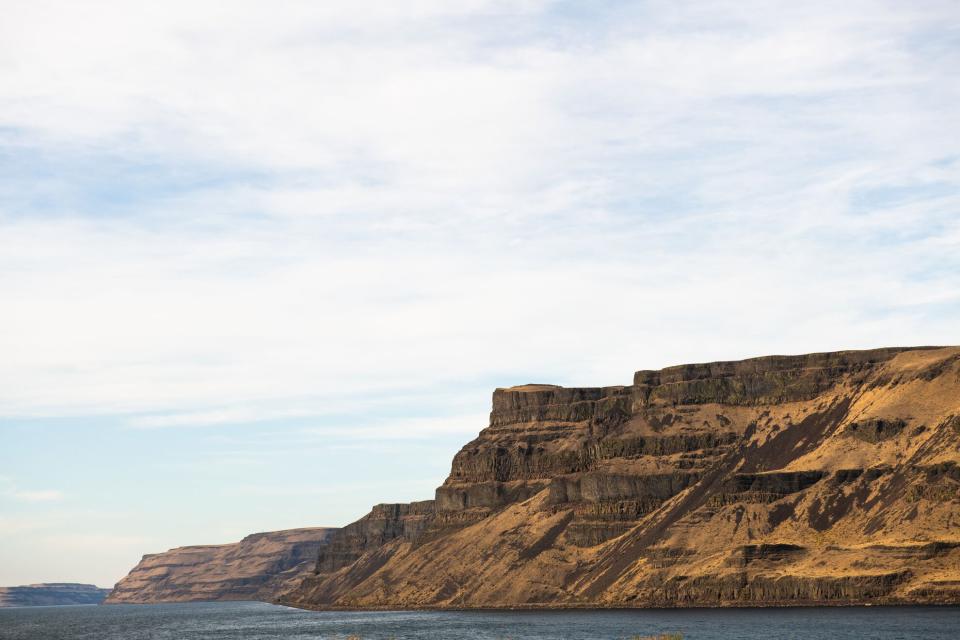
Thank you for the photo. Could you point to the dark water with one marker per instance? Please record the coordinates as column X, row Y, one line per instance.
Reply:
column 257, row 620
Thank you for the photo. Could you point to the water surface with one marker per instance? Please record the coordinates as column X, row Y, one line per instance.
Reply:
column 254, row 620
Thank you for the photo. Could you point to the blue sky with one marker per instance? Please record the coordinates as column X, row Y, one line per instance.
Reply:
column 262, row 264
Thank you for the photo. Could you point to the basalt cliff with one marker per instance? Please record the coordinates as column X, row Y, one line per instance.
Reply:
column 829, row 478
column 258, row 567
column 51, row 594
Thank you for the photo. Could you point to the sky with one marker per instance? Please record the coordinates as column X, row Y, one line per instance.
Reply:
column 263, row 263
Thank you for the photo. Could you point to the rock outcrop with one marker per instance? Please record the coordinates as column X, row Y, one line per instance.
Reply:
column 259, row 567
column 51, row 594
column 829, row 478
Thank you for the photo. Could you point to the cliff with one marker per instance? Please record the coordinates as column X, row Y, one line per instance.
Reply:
column 829, row 478
column 51, row 594
column 258, row 567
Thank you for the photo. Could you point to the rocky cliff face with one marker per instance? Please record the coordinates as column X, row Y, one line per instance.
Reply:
column 259, row 567
column 51, row 594
column 824, row 478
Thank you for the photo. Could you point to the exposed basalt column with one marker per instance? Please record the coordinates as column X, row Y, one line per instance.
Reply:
column 784, row 482
column 604, row 505
column 664, row 557
column 857, row 588
column 937, row 591
column 844, row 476
column 599, row 487
column 725, row 483
column 530, row 460
column 875, row 430
column 521, row 461
column 765, row 487
column 487, row 495
column 547, row 403
column 659, row 445
column 748, row 554
column 384, row 523
column 591, row 534
column 762, row 589
column 770, row 380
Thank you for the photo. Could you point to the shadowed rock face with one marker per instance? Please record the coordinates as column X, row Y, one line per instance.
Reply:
column 259, row 567
column 826, row 478
column 384, row 523
column 51, row 594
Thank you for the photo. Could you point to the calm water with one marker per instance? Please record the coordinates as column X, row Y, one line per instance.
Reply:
column 257, row 620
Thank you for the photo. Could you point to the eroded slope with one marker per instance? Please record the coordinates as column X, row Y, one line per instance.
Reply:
column 825, row 478
column 259, row 567
column 51, row 594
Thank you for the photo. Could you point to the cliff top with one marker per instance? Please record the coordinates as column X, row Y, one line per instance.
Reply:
column 769, row 364
column 728, row 368
column 530, row 387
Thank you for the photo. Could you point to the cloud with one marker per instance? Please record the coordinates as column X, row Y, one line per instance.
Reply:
column 254, row 233
column 253, row 212
column 233, row 415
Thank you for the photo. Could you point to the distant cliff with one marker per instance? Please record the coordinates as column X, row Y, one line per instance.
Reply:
column 258, row 567
column 830, row 478
column 51, row 594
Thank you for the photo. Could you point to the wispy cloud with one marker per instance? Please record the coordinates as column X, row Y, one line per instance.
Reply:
column 220, row 219
column 309, row 203
column 215, row 417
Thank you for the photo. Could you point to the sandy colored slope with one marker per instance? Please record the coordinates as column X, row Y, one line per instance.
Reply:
column 256, row 568
column 828, row 478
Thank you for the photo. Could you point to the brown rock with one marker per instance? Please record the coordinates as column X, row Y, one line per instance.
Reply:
column 830, row 478
column 259, row 567
column 778, row 480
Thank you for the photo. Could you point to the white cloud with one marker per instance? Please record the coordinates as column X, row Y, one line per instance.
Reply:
column 391, row 202
column 276, row 215
column 233, row 415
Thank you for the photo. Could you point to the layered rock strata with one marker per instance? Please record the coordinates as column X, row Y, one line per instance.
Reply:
column 259, row 567
column 829, row 478
column 51, row 594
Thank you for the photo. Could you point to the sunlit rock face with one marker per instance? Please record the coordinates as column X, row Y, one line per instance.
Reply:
column 825, row 478
column 259, row 567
